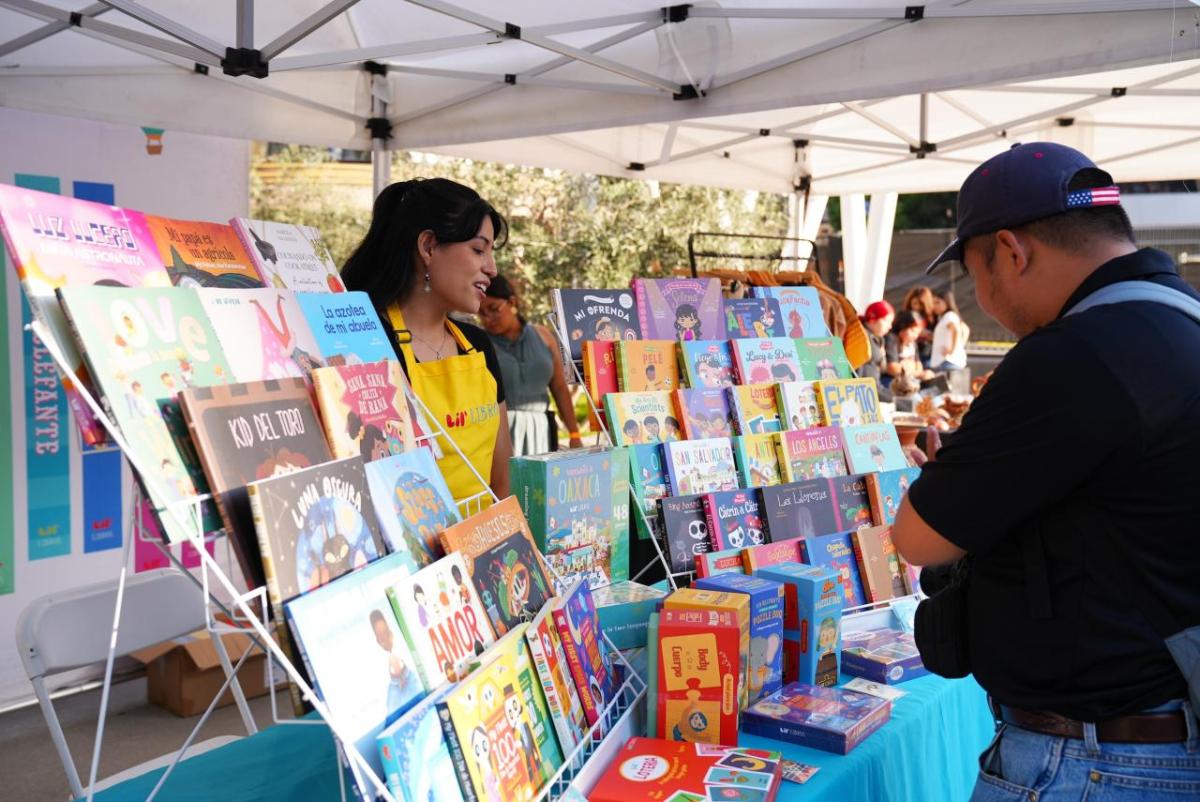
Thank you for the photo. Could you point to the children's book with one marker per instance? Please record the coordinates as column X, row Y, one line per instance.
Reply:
column 314, row 525
column 886, row 490
column 639, row 418
column 288, row 256
column 810, row 453
column 144, row 346
column 701, row 466
column 365, row 409
column 415, row 757
column 848, row 402
column 714, row 563
column 707, row 363
column 412, row 504
column 562, row 697
column 648, row 470
column 873, row 447
column 733, row 519
column 679, row 308
column 753, row 319
column 591, row 668
column 679, row 771
column 569, row 498
column 685, row 531
column 503, row 561
column 756, row 558
column 441, row 617
column 704, row 412
column 263, row 332
column 57, row 241
column 830, row 719
column 812, row 621
column 599, row 372
column 754, row 408
column 346, row 327
column 853, row 502
column 647, row 366
column 757, row 460
column 247, row 432
column 800, row 509
column 359, row 663
column 765, row 361
column 199, row 254
column 823, row 358
column 800, row 308
column 879, row 564
column 587, row 314
column 699, row 668
column 537, row 744
column 798, row 406
column 837, row 552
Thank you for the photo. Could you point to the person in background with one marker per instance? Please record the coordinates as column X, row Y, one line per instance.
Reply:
column 530, row 364
column 877, row 319
column 919, row 299
column 900, row 352
column 428, row 253
column 949, row 335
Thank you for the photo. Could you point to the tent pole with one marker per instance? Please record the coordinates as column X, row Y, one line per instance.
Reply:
column 854, row 246
column 879, row 247
column 381, row 157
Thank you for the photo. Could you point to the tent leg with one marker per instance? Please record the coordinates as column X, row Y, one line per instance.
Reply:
column 879, row 246
column 854, row 246
column 381, row 157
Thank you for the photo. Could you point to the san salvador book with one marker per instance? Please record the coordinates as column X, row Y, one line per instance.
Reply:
column 701, row 466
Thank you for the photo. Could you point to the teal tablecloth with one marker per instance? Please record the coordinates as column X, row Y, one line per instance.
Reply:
column 926, row 752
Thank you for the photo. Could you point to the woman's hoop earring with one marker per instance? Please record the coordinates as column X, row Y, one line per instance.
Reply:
column 427, row 287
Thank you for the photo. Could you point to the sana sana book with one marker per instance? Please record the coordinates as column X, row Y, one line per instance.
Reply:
column 365, row 409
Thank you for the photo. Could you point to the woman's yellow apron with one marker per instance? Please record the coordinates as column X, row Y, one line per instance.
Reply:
column 460, row 392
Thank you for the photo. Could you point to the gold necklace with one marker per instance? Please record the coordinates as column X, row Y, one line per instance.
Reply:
column 437, row 352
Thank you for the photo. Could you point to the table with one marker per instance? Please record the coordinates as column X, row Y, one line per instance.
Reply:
column 927, row 751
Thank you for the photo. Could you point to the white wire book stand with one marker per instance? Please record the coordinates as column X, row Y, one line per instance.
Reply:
column 241, row 612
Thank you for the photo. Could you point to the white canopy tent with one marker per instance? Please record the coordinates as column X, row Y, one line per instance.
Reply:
column 823, row 98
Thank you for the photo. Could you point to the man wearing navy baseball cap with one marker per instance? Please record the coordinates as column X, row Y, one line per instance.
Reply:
column 1068, row 498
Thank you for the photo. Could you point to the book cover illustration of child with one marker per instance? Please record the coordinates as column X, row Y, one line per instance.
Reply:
column 748, row 318
column 707, row 363
column 681, row 309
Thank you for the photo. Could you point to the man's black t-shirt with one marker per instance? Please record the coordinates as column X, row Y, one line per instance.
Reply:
column 1089, row 429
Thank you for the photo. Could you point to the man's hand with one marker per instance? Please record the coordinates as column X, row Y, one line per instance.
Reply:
column 933, row 442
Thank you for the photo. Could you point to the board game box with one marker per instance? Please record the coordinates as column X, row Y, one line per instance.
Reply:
column 882, row 655
column 693, row 598
column 699, row 672
column 623, row 609
column 765, row 668
column 658, row 770
column 812, row 621
column 830, row 719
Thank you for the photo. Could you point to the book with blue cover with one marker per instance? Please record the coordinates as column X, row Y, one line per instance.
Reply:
column 886, row 490
column 648, row 474
column 415, row 759
column 753, row 318
column 707, row 363
column 765, row 361
column 704, row 412
column 412, row 504
column 346, row 327
column 853, row 501
column 800, row 309
column 837, row 552
column 830, row 719
column 873, row 447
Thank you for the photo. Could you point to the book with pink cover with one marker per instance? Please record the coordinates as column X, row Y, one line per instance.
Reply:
column 263, row 332
column 365, row 409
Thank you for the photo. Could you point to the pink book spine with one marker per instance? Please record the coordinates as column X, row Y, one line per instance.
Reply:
column 575, row 663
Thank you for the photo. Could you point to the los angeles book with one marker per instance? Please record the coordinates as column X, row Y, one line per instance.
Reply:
column 848, row 402
column 365, row 409
column 733, row 519
column 637, row 418
column 498, row 550
column 346, row 327
column 263, row 332
column 754, row 408
column 679, row 308
column 753, row 318
column 412, row 503
column 810, row 453
column 574, row 615
column 594, row 315
column 199, row 254
column 873, row 447
column 765, row 361
column 757, row 460
column 647, row 366
column 798, row 406
column 289, row 256
column 707, row 363
column 703, row 412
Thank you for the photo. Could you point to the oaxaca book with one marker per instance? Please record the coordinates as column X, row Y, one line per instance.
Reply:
column 853, row 502
column 848, row 402
column 886, row 490
column 873, row 447
column 765, row 361
column 798, row 405
column 679, row 308
column 647, row 366
column 757, row 461
column 878, row 564
column 314, row 525
column 836, row 552
column 365, row 409
column 701, row 466
column 288, row 256
column 648, row 470
column 684, row 531
column 754, row 408
column 442, row 620
column 200, row 254
column 345, row 326
column 246, row 432
column 753, row 319
column 578, row 624
column 707, row 363
column 143, row 347
column 800, row 509
column 655, row 769
column 594, row 315
column 416, row 762
column 823, row 358
column 359, row 663
column 733, row 519
column 830, row 719
column 263, row 332
column 412, row 503
column 800, row 308
column 503, row 561
column 562, row 697
column 704, row 412
column 637, row 418
column 577, row 505
column 810, row 453
column 56, row 242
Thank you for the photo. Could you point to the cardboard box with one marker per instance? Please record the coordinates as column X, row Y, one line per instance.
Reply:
column 184, row 674
column 811, row 622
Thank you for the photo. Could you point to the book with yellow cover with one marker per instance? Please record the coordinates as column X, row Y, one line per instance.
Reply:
column 848, row 402
column 647, row 366
column 754, row 408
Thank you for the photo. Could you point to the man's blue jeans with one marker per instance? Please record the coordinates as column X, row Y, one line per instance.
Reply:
column 1033, row 767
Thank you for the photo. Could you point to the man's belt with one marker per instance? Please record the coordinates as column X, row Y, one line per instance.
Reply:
column 1138, row 728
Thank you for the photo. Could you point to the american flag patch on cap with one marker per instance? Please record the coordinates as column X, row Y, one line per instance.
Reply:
column 1097, row 196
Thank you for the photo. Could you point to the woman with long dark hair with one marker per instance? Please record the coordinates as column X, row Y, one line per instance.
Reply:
column 949, row 335
column 428, row 253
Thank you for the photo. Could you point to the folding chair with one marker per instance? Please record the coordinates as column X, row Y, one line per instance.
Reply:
column 72, row 629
